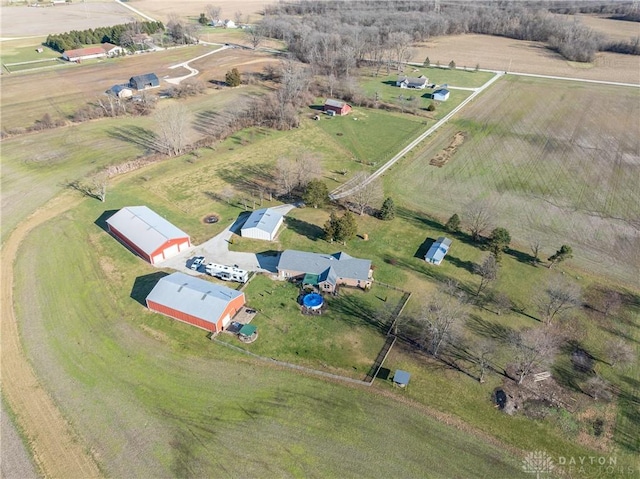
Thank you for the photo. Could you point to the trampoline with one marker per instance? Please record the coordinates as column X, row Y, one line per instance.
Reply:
column 313, row 301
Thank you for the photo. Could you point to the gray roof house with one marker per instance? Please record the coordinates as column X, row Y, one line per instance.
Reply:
column 262, row 224
column 148, row 234
column 326, row 271
column 144, row 82
column 418, row 83
column 438, row 251
column 195, row 301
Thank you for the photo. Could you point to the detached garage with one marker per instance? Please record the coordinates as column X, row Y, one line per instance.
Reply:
column 262, row 224
column 195, row 301
column 148, row 234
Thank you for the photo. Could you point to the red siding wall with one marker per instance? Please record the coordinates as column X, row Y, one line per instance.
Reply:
column 232, row 308
column 128, row 243
column 169, row 243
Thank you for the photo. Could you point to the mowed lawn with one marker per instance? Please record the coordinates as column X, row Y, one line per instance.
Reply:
column 562, row 170
column 153, row 397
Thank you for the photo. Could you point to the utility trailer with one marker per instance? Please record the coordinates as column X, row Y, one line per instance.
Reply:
column 227, row 273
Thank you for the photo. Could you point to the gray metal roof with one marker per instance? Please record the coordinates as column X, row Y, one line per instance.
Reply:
column 334, row 103
column 441, row 91
column 341, row 264
column 438, row 250
column 151, row 78
column 265, row 219
column 194, row 296
column 144, row 228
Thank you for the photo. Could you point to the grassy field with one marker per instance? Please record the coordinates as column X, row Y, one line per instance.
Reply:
column 561, row 169
column 155, row 398
column 345, row 339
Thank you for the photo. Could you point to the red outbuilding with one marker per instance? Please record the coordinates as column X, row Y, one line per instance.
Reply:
column 148, row 234
column 337, row 107
column 195, row 301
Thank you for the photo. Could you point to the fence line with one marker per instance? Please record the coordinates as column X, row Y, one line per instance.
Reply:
column 293, row 366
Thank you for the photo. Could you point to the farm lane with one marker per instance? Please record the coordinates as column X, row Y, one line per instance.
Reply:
column 193, row 71
column 57, row 450
column 136, row 11
column 216, row 250
column 340, row 192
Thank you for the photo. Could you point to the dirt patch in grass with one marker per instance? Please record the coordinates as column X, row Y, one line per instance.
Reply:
column 445, row 155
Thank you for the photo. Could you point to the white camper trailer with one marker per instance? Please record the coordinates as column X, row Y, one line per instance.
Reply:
column 227, row 273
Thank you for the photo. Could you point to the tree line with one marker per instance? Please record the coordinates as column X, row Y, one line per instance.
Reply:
column 117, row 35
column 336, row 35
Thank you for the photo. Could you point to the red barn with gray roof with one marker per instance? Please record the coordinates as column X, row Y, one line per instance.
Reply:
column 337, row 106
column 195, row 301
column 148, row 234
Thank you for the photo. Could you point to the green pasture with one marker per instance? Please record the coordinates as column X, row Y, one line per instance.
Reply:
column 548, row 170
column 17, row 52
column 344, row 339
column 370, row 137
column 155, row 397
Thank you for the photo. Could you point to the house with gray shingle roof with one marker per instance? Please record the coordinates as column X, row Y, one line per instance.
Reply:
column 418, row 83
column 326, row 271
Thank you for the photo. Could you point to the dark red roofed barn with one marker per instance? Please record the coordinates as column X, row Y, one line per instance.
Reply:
column 337, row 106
column 195, row 301
column 148, row 234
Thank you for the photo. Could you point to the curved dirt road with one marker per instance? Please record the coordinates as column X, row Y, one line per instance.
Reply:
column 57, row 450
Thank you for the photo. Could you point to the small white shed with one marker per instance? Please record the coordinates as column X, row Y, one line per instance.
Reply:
column 262, row 224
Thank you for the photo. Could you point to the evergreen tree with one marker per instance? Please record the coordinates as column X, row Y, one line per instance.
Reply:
column 499, row 241
column 452, row 65
column 388, row 210
column 453, row 224
column 427, row 62
column 233, row 78
column 316, row 193
column 565, row 252
column 203, row 20
column 331, row 226
column 347, row 228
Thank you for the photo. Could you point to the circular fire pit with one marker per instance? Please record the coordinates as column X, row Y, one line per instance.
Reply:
column 211, row 219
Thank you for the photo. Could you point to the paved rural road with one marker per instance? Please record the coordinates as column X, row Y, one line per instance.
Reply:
column 216, row 250
column 194, row 72
column 348, row 189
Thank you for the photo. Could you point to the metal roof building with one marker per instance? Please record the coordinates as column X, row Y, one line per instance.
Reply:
column 331, row 270
column 195, row 301
column 337, row 106
column 441, row 94
column 438, row 251
column 84, row 54
column 144, row 82
column 148, row 234
column 262, row 224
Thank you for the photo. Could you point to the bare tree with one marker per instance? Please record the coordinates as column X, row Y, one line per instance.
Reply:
column 439, row 319
column 558, row 297
column 477, row 215
column 368, row 195
column 598, row 388
column 488, row 272
column 483, row 352
column 112, row 105
column 399, row 43
column 535, row 244
column 213, row 12
column 227, row 194
column 533, row 348
column 307, row 168
column 285, row 175
column 255, row 35
column 620, row 352
column 237, row 17
column 172, row 124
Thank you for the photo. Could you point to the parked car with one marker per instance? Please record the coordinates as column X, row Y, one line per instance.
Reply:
column 197, row 262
